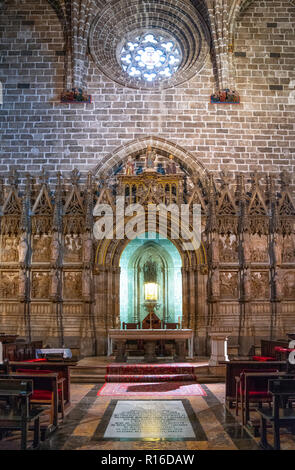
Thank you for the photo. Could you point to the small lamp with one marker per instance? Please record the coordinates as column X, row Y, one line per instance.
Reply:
column 151, row 291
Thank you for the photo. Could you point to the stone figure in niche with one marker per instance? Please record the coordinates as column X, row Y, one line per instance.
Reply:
column 22, row 283
column 23, row 249
column 73, row 248
column 87, row 248
column 228, row 248
column 150, row 271
column 40, row 285
column 288, row 250
column 9, row 249
column 9, row 285
column 171, row 167
column 129, row 168
column 54, row 283
column 86, row 283
column 215, row 283
column 55, row 248
column 277, row 248
column 150, row 157
column 214, row 249
column 279, row 283
column 259, row 285
column 258, row 249
column 41, row 248
column 246, row 248
column 229, row 285
column 247, row 283
column 289, row 285
column 73, row 285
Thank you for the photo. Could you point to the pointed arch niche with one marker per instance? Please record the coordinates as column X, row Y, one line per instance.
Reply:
column 166, row 260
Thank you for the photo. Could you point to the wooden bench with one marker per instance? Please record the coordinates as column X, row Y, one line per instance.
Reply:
column 279, row 416
column 60, row 367
column 234, row 369
column 47, row 390
column 16, row 414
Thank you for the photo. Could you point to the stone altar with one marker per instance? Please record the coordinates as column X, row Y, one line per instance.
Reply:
column 151, row 337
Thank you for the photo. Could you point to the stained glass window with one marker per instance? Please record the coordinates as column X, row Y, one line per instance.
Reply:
column 150, row 56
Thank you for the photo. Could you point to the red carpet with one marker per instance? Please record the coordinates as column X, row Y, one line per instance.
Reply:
column 152, row 373
column 156, row 389
column 151, row 378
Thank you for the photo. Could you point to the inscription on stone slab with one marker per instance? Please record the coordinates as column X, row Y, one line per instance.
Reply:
column 139, row 419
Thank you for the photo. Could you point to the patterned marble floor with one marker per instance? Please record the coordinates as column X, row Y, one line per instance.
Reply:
column 218, row 428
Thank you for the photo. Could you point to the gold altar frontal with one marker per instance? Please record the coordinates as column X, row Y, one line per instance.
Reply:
column 183, row 338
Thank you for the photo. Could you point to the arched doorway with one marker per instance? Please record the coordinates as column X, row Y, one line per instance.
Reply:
column 150, row 266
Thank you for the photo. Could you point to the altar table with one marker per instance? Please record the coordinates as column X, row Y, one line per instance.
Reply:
column 150, row 337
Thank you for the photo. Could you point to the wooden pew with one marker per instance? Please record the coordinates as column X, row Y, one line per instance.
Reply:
column 278, row 416
column 268, row 346
column 45, row 392
column 234, row 369
column 18, row 415
column 20, row 350
column 60, row 367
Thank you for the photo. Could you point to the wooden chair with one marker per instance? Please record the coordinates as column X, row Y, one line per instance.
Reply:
column 279, row 416
column 16, row 414
column 171, row 326
column 43, row 393
column 256, row 393
column 131, row 326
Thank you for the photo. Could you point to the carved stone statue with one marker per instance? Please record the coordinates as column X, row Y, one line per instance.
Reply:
column 23, row 249
column 215, row 250
column 9, row 252
column 55, row 247
column 41, row 248
column 277, row 247
column 86, row 283
column 279, row 283
column 215, row 283
column 22, row 284
column 229, row 285
column 247, row 283
column 258, row 249
column 73, row 285
column 73, row 248
column 9, row 285
column 54, row 283
column 171, row 167
column 246, row 248
column 129, row 168
column 87, row 248
column 150, row 157
column 260, row 285
column 40, row 285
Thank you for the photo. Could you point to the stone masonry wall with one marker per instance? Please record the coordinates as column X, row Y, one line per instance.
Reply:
column 38, row 132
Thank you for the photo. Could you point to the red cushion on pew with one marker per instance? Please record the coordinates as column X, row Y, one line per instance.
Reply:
column 280, row 349
column 35, row 360
column 43, row 394
column 257, row 393
column 260, row 394
column 263, row 358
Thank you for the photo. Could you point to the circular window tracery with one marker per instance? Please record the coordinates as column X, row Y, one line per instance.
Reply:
column 150, row 56
column 122, row 21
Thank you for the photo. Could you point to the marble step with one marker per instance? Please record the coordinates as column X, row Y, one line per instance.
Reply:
column 88, row 379
column 88, row 370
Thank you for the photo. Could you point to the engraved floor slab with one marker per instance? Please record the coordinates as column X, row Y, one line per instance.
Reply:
column 143, row 419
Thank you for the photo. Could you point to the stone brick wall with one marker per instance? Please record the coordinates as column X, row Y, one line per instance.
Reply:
column 38, row 131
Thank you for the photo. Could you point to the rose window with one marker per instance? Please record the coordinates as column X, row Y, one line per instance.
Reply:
column 150, row 57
